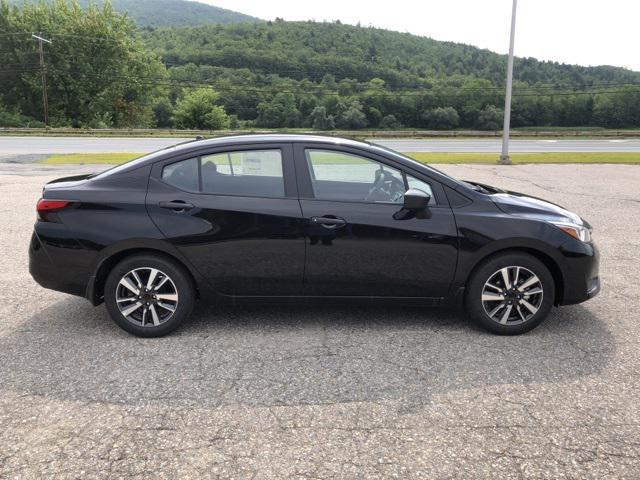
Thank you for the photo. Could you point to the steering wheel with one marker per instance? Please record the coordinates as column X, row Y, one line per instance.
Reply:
column 386, row 186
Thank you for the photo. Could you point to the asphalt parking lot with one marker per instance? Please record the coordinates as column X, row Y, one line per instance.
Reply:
column 327, row 393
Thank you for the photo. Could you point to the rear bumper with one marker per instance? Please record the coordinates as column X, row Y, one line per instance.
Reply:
column 57, row 265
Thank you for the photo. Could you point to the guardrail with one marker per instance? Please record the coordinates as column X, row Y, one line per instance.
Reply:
column 136, row 132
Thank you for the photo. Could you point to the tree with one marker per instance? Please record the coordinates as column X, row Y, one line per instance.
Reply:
column 490, row 118
column 96, row 65
column 442, row 118
column 281, row 111
column 198, row 109
column 352, row 118
column 163, row 113
column 390, row 122
column 320, row 120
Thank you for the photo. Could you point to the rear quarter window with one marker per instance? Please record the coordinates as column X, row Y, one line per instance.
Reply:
column 183, row 175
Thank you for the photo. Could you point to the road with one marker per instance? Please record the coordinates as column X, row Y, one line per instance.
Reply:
column 17, row 146
column 281, row 392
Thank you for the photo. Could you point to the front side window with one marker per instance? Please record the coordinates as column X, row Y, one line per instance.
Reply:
column 246, row 173
column 343, row 176
column 420, row 185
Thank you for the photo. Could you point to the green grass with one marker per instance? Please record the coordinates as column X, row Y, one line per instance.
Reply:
column 424, row 157
column 519, row 158
column 90, row 158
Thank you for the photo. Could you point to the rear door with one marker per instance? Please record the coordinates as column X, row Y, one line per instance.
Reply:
column 354, row 245
column 234, row 213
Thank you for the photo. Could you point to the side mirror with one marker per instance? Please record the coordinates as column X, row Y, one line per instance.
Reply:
column 415, row 205
column 415, row 199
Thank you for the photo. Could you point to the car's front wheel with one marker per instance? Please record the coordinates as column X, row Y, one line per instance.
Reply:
column 510, row 293
column 149, row 295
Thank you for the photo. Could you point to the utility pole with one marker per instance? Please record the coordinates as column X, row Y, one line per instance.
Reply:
column 504, row 158
column 45, row 102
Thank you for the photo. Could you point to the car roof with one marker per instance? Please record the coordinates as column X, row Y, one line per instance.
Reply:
column 276, row 138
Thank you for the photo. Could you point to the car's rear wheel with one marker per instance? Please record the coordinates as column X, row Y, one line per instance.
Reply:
column 510, row 293
column 149, row 295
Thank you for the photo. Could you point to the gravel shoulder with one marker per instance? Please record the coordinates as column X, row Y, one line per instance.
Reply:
column 327, row 393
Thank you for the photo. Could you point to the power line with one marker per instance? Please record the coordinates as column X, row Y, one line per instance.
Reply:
column 156, row 81
column 439, row 91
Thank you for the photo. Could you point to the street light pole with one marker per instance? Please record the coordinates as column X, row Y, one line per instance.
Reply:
column 45, row 101
column 504, row 158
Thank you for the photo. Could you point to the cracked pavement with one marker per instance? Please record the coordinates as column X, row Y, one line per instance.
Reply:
column 301, row 392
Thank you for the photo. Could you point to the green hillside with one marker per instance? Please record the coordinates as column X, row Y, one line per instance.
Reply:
column 309, row 50
column 276, row 73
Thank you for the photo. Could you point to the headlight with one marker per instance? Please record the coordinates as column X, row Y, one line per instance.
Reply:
column 579, row 232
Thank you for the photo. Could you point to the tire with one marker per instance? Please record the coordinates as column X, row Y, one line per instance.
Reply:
column 162, row 308
column 488, row 305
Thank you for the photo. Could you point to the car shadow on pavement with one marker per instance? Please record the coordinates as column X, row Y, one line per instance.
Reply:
column 291, row 355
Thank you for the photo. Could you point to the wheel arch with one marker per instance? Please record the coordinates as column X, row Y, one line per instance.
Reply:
column 95, row 288
column 546, row 259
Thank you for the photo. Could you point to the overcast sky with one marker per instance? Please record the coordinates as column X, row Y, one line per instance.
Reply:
column 585, row 32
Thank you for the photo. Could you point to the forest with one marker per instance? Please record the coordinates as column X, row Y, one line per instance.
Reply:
column 103, row 71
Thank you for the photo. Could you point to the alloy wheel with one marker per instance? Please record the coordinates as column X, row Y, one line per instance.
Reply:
column 146, row 297
column 512, row 295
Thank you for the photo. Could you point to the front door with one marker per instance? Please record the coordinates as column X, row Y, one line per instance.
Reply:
column 235, row 215
column 354, row 245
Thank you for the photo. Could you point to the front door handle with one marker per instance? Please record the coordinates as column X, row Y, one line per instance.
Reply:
column 176, row 205
column 329, row 222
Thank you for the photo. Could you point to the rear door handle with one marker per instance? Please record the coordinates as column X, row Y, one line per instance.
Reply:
column 176, row 205
column 329, row 222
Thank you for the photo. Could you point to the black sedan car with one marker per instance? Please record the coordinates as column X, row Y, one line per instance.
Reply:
column 285, row 218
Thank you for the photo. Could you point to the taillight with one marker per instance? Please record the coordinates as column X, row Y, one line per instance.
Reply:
column 46, row 207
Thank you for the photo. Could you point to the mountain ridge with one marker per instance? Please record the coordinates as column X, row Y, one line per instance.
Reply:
column 169, row 13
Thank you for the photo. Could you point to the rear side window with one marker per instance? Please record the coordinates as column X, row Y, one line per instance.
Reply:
column 252, row 172
column 246, row 173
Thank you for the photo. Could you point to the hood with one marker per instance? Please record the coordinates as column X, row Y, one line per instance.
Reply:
column 515, row 203
column 66, row 182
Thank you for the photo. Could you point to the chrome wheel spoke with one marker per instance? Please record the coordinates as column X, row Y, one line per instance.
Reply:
column 505, row 277
column 529, row 307
column 492, row 297
column 125, row 282
column 134, row 274
column 171, row 308
column 154, row 315
column 506, row 314
column 524, row 319
column 131, row 308
column 152, row 278
column 533, row 291
column 172, row 297
column 491, row 285
column 126, row 299
column 496, row 310
column 529, row 282
column 162, row 282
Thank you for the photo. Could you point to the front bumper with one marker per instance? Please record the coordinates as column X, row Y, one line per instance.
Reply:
column 580, row 272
